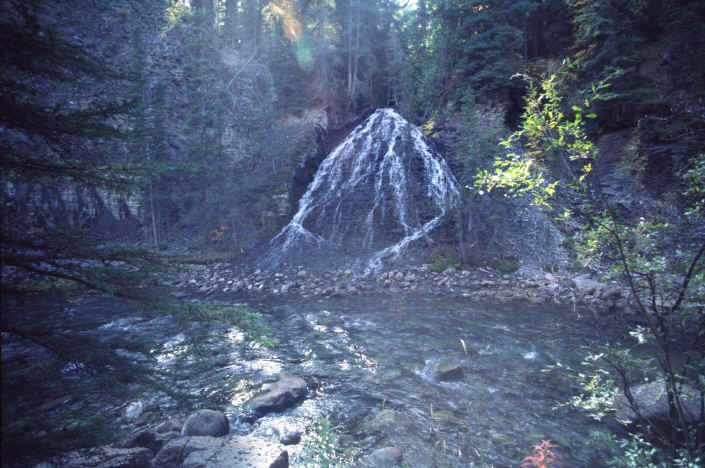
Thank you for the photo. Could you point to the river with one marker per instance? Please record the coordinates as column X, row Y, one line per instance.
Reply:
column 369, row 362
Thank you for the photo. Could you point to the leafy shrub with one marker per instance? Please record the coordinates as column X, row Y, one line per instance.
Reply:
column 505, row 265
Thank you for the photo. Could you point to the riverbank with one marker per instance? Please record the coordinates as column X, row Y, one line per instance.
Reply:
column 579, row 292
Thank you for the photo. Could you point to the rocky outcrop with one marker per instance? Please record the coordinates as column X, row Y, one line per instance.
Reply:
column 380, row 190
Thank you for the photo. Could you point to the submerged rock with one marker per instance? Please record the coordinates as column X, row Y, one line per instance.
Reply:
column 448, row 370
column 134, row 410
column 290, row 438
column 384, row 457
column 279, row 395
column 385, row 420
column 206, row 423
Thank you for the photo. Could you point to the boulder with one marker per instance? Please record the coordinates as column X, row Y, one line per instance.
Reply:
column 384, row 457
column 278, row 396
column 652, row 400
column 290, row 438
column 206, row 422
column 447, row 370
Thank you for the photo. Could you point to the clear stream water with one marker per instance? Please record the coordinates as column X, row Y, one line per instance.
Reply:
column 368, row 361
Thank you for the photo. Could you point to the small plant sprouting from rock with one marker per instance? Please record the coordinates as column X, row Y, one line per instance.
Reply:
column 543, row 456
column 320, row 448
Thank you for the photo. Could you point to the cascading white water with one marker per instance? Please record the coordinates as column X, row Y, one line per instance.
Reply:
column 378, row 191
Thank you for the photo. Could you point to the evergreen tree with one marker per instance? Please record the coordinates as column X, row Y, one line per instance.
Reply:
column 58, row 142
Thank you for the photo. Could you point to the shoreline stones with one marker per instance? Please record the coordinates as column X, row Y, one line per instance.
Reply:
column 477, row 284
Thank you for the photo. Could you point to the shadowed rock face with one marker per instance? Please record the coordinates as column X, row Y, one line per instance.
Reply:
column 377, row 192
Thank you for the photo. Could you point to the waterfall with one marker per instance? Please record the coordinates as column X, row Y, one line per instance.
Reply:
column 377, row 192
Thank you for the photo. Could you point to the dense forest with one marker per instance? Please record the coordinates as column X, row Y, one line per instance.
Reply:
column 136, row 136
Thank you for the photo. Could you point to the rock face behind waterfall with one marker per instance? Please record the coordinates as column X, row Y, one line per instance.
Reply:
column 377, row 192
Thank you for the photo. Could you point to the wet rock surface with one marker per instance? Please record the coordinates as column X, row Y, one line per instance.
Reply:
column 447, row 370
column 229, row 452
column 279, row 395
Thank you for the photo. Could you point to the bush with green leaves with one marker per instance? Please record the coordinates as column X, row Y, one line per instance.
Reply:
column 321, row 446
column 662, row 261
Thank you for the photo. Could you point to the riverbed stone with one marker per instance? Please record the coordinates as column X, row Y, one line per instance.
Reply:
column 384, row 420
column 384, row 457
column 290, row 437
column 238, row 452
column 447, row 370
column 280, row 395
column 206, row 422
column 652, row 400
column 134, row 410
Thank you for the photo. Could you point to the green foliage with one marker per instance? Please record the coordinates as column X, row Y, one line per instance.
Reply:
column 321, row 446
column 695, row 183
column 443, row 260
column 174, row 14
column 636, row 451
column 505, row 265
column 553, row 143
column 247, row 321
column 661, row 262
